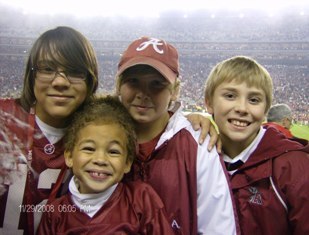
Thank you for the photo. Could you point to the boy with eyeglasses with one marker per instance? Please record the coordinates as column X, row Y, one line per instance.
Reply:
column 61, row 74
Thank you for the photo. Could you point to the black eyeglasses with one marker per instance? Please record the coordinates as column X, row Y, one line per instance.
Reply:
column 47, row 74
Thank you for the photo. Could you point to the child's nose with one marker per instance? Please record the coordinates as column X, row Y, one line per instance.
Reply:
column 100, row 158
column 241, row 106
column 60, row 79
column 143, row 92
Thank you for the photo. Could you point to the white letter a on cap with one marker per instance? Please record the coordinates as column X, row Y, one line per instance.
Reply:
column 154, row 42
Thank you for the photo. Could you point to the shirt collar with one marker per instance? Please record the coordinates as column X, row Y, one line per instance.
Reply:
column 245, row 154
column 89, row 203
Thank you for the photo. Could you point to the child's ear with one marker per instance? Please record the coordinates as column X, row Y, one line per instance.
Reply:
column 176, row 91
column 68, row 158
column 117, row 87
column 174, row 97
column 209, row 107
column 128, row 166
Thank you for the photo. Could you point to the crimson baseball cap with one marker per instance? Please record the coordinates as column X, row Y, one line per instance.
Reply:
column 156, row 53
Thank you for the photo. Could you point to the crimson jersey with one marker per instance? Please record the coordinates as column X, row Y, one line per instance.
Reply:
column 23, row 202
column 133, row 208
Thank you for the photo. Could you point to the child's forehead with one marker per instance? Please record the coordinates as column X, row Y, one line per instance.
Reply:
column 104, row 122
column 103, row 129
column 148, row 76
column 143, row 71
column 240, row 83
column 50, row 58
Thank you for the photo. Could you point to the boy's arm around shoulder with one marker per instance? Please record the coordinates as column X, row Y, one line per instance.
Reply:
column 291, row 172
column 207, row 126
column 215, row 205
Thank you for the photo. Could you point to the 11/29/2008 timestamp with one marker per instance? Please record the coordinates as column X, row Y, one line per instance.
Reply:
column 50, row 208
column 36, row 208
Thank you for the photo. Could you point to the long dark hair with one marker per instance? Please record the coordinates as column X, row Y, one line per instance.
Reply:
column 64, row 47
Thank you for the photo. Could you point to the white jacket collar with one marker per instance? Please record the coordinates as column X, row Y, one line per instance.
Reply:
column 176, row 122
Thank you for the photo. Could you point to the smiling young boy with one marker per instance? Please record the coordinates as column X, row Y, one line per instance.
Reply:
column 100, row 147
column 190, row 180
column 269, row 173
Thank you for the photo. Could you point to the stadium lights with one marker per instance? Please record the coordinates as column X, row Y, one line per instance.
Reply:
column 135, row 8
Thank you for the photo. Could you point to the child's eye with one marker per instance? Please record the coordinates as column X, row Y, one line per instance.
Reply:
column 229, row 96
column 46, row 69
column 158, row 85
column 254, row 100
column 76, row 74
column 114, row 152
column 131, row 81
column 88, row 149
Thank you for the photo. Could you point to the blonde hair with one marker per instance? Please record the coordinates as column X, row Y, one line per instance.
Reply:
column 240, row 69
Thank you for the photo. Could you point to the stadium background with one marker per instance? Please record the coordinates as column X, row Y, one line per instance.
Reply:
column 280, row 43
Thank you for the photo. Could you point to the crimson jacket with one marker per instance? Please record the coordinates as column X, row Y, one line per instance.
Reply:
column 133, row 208
column 271, row 188
column 280, row 128
column 191, row 181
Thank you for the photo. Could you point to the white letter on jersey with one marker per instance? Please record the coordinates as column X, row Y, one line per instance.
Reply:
column 15, row 199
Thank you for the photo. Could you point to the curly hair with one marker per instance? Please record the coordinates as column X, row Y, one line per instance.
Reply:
column 106, row 110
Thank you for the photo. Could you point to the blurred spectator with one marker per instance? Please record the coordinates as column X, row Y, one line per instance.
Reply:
column 280, row 117
column 280, row 43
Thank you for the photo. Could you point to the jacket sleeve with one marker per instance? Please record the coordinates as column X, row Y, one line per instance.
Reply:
column 155, row 220
column 46, row 226
column 216, row 214
column 292, row 174
column 159, row 224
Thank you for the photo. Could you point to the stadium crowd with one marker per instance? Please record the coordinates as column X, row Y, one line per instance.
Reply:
column 281, row 45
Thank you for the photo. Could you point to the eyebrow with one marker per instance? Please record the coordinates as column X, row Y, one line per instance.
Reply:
column 93, row 142
column 46, row 62
column 86, row 141
column 250, row 92
column 116, row 142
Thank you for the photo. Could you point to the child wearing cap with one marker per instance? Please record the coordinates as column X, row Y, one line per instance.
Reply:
column 190, row 180
column 100, row 146
column 268, row 172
